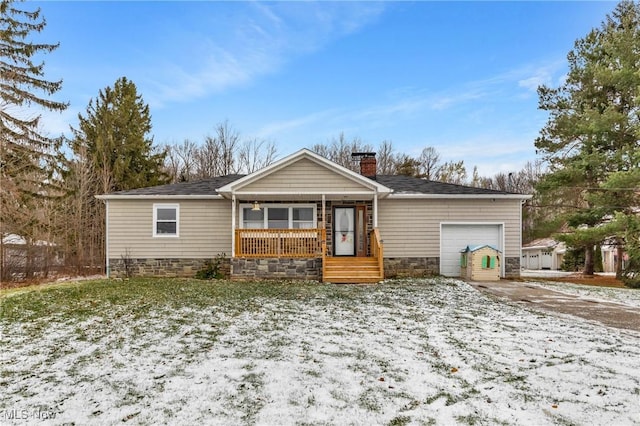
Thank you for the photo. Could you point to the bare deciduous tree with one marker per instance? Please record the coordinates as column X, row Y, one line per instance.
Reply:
column 386, row 158
column 429, row 163
column 255, row 154
column 339, row 150
column 180, row 161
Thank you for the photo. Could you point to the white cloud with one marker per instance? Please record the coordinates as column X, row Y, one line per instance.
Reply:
column 542, row 75
column 273, row 129
column 258, row 39
column 57, row 123
column 491, row 153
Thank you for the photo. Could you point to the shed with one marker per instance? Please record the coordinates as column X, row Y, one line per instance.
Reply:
column 480, row 263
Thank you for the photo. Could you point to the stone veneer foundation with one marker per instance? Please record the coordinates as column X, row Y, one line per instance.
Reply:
column 512, row 267
column 276, row 268
column 404, row 267
column 172, row 267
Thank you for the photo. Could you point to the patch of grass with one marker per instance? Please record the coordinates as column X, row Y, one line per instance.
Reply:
column 369, row 400
column 449, row 399
column 471, row 419
column 512, row 378
column 311, row 400
column 313, row 373
column 400, row 421
column 412, row 405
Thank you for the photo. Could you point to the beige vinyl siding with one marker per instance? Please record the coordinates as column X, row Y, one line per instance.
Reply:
column 411, row 228
column 304, row 175
column 204, row 229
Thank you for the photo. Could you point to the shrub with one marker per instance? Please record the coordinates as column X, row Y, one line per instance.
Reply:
column 212, row 269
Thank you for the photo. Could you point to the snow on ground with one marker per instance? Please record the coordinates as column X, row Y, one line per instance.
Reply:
column 410, row 352
column 626, row 296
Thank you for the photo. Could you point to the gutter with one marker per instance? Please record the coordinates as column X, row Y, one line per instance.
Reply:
column 460, row 196
column 158, row 197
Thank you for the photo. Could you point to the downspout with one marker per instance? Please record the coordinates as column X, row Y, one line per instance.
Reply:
column 106, row 238
column 520, row 231
column 324, row 238
column 233, row 225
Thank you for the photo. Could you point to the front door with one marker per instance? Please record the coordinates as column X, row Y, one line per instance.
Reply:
column 349, row 231
column 344, row 241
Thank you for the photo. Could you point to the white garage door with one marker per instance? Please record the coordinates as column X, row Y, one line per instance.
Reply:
column 454, row 237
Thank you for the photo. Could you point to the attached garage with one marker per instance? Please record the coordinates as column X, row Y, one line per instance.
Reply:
column 456, row 236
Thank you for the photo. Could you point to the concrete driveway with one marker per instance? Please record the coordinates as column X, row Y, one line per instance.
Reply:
column 608, row 313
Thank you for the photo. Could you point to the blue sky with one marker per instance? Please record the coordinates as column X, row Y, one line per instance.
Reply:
column 458, row 76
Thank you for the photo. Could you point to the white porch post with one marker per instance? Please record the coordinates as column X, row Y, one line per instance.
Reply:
column 324, row 214
column 233, row 225
column 375, row 209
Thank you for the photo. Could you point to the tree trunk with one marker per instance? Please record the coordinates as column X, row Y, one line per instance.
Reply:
column 588, row 261
column 28, row 263
column 619, row 258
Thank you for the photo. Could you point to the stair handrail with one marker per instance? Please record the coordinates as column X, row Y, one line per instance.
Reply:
column 377, row 249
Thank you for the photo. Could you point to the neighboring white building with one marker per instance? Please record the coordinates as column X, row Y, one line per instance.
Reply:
column 16, row 255
column 548, row 254
column 543, row 253
column 610, row 258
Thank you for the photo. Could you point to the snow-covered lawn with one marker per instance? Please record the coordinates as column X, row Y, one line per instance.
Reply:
column 627, row 296
column 403, row 352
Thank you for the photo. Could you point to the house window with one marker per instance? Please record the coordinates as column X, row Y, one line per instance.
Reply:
column 166, row 219
column 278, row 216
column 303, row 217
column 252, row 219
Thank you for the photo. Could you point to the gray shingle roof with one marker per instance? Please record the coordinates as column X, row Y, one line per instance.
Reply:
column 399, row 185
column 200, row 187
column 413, row 185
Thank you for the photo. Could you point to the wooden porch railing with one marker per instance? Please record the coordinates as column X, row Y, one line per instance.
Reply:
column 280, row 242
column 377, row 249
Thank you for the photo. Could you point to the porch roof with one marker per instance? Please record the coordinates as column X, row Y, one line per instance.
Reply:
column 359, row 186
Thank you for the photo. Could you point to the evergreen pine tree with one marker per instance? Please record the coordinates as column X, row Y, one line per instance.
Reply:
column 27, row 155
column 593, row 127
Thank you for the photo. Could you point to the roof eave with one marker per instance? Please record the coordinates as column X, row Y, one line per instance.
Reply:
column 157, row 197
column 460, row 196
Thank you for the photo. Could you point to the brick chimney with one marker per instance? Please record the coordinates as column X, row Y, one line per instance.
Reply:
column 368, row 163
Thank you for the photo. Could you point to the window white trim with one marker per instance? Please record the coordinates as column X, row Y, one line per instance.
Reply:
column 155, row 220
column 265, row 217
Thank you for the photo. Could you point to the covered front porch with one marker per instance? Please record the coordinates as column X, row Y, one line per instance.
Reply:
column 305, row 214
column 305, row 244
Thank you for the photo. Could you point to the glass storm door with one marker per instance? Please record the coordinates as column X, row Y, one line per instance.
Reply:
column 344, row 241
